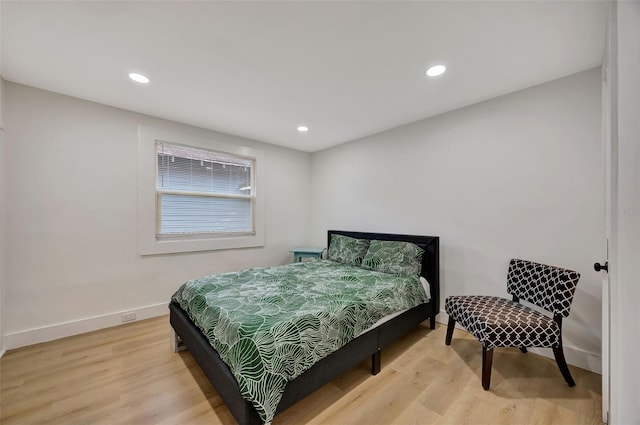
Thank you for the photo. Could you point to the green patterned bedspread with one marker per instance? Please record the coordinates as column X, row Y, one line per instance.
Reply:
column 271, row 324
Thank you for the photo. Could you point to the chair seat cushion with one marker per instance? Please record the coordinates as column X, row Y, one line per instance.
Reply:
column 499, row 322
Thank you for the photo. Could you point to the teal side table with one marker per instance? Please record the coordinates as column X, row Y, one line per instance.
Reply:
column 300, row 253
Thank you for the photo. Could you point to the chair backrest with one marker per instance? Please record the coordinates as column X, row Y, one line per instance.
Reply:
column 549, row 287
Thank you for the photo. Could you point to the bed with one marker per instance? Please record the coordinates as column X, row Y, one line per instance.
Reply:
column 364, row 343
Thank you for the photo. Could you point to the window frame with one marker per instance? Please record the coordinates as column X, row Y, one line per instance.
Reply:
column 149, row 213
column 251, row 197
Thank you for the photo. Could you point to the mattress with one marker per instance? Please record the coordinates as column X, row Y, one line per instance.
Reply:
column 385, row 319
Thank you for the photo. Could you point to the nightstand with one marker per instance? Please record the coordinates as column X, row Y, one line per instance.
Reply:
column 300, row 253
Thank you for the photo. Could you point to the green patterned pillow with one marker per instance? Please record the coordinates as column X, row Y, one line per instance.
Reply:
column 346, row 250
column 393, row 257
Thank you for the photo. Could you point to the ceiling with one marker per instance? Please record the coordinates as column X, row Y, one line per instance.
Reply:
column 345, row 69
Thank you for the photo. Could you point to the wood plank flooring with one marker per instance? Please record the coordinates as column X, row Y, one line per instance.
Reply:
column 129, row 375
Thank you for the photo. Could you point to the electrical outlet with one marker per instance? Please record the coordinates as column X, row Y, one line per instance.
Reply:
column 128, row 317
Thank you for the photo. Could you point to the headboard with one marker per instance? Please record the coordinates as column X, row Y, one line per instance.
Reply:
column 430, row 259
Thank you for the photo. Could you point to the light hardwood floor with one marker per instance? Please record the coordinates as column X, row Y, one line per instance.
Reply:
column 129, row 375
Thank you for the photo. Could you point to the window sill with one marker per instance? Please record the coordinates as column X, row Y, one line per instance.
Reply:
column 174, row 246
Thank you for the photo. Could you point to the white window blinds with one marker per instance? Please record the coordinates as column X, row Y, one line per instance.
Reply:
column 202, row 192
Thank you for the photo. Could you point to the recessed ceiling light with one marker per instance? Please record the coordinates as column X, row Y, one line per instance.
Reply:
column 139, row 78
column 303, row 128
column 436, row 70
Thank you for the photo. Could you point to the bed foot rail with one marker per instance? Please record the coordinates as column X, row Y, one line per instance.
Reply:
column 176, row 342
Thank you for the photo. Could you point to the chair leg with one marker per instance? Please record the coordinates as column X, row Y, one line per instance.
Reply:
column 523, row 349
column 562, row 364
column 450, row 326
column 487, row 362
column 432, row 322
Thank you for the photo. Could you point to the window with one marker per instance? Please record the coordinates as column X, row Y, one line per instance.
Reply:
column 202, row 192
column 203, row 197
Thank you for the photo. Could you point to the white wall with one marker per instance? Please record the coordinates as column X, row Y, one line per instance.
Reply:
column 2, row 216
column 72, row 257
column 515, row 176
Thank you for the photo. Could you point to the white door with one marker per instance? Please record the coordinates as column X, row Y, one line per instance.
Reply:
column 610, row 221
column 609, row 142
column 621, row 100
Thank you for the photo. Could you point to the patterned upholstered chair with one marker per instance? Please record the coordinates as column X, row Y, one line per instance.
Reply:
column 500, row 322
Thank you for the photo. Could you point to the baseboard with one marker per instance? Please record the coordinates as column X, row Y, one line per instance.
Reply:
column 574, row 356
column 2, row 351
column 60, row 330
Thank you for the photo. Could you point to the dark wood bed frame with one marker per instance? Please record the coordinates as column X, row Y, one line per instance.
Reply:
column 368, row 344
